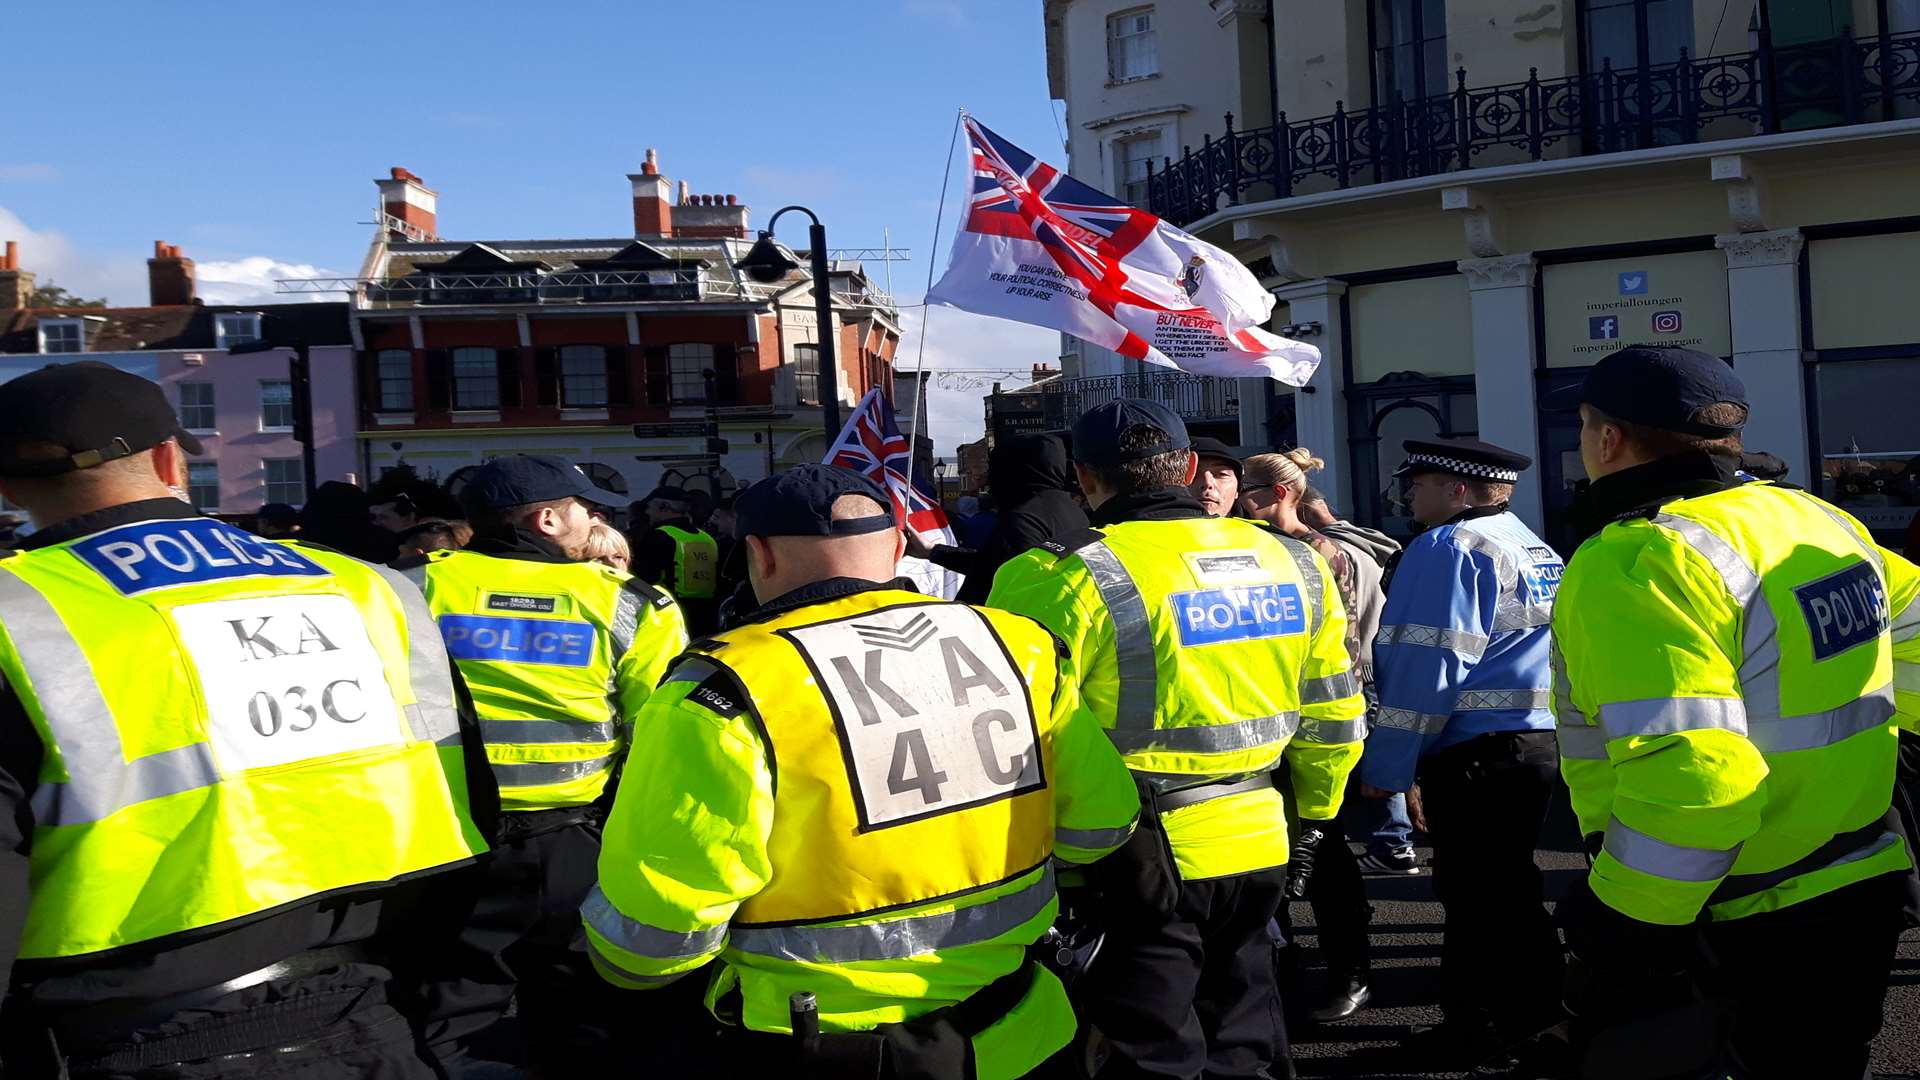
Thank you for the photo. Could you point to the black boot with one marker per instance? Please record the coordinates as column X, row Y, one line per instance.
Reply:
column 1346, row 995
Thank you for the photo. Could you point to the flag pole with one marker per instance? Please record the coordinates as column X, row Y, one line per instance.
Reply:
column 926, row 311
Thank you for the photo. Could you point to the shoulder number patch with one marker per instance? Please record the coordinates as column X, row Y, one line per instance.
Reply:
column 933, row 718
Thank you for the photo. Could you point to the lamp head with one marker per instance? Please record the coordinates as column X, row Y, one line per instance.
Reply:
column 766, row 263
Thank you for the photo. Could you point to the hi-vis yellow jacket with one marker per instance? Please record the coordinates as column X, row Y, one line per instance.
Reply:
column 231, row 725
column 1213, row 650
column 559, row 657
column 861, row 797
column 1728, row 673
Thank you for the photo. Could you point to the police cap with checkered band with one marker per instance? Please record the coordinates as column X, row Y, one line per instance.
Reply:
column 1468, row 458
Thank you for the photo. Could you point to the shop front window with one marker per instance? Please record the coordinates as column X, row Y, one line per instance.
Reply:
column 1869, row 447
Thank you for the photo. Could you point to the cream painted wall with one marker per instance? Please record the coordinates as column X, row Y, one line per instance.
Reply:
column 1320, row 53
column 1863, row 290
column 1890, row 188
column 1421, row 325
column 1498, row 40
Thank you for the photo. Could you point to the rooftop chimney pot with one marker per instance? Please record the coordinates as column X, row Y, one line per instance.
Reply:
column 11, row 261
column 652, row 167
column 170, row 276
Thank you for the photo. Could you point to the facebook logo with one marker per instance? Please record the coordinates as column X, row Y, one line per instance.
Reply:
column 1633, row 283
column 1603, row 327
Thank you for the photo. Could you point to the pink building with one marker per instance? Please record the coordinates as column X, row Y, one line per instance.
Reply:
column 241, row 406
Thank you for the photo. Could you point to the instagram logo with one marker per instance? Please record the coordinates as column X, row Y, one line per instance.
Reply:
column 1666, row 322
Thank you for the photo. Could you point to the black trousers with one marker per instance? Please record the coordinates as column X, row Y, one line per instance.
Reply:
column 1195, row 996
column 332, row 1026
column 523, row 941
column 1808, row 983
column 1501, row 961
column 1341, row 913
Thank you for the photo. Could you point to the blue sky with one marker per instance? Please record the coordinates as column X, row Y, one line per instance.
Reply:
column 250, row 134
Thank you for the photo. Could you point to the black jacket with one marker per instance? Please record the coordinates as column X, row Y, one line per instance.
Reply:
column 1032, row 487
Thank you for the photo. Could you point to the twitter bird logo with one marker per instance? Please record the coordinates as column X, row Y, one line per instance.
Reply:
column 1633, row 283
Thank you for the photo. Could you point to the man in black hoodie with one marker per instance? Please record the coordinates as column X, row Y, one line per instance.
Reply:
column 1033, row 486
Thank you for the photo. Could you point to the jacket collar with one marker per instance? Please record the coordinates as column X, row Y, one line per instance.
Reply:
column 1473, row 512
column 819, row 592
column 521, row 545
column 112, row 517
column 1647, row 487
column 1166, row 504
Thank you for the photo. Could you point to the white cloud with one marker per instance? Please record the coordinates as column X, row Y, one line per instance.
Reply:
column 29, row 170
column 121, row 277
column 251, row 281
column 961, row 340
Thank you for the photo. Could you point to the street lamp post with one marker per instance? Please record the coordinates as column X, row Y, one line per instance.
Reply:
column 299, row 375
column 766, row 264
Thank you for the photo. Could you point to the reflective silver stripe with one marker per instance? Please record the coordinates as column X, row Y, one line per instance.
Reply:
column 899, row 939
column 540, row 773
column 505, row 732
column 1316, row 582
column 1476, row 700
column 1670, row 716
column 1439, row 637
column 432, row 716
column 1814, row 730
column 1132, row 637
column 1906, row 625
column 417, row 575
column 1649, row 855
column 1093, row 839
column 101, row 779
column 1759, row 672
column 1210, row 739
column 625, row 623
column 1581, row 742
column 1565, row 712
column 1906, row 677
column 1202, row 793
column 643, row 940
column 1331, row 732
column 1505, row 569
column 1407, row 720
column 1328, row 688
column 694, row 669
column 1522, row 618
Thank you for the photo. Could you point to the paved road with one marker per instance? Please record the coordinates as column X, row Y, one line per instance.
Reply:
column 1406, row 938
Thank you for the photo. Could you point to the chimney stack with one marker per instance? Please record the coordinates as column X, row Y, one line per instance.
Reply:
column 709, row 216
column 411, row 208
column 170, row 281
column 16, row 285
column 652, row 194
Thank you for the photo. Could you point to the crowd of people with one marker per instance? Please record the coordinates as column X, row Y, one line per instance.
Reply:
column 675, row 787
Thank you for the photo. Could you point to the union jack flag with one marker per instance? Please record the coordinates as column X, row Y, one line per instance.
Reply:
column 871, row 444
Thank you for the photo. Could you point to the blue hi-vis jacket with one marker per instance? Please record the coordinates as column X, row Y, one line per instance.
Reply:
column 1463, row 643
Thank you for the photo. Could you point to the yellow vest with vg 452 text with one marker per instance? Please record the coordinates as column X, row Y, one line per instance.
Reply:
column 231, row 725
column 696, row 563
column 906, row 747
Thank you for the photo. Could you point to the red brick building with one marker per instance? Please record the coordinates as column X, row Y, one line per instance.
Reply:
column 470, row 348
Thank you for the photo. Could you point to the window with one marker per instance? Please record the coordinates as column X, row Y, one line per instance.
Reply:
column 63, row 335
column 1409, row 49
column 583, row 376
column 1131, row 51
column 1132, row 159
column 276, row 405
column 476, row 379
column 203, row 484
column 394, row 371
column 286, row 481
column 687, row 366
column 806, row 374
column 1634, row 33
column 1869, row 450
column 231, row 330
column 196, row 406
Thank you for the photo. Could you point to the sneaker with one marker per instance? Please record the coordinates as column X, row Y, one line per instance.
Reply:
column 1399, row 863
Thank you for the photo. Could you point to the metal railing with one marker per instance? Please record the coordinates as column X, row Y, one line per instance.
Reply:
column 1771, row 89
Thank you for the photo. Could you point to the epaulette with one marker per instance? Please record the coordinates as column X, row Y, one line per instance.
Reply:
column 1062, row 546
column 652, row 594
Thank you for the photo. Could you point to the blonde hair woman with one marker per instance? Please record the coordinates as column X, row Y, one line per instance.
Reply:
column 1270, row 489
column 606, row 544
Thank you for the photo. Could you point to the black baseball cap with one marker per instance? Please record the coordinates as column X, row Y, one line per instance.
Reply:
column 519, row 479
column 799, row 502
column 1097, row 434
column 95, row 412
column 1208, row 447
column 1660, row 386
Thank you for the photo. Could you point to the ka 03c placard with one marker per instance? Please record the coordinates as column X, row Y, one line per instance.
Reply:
column 932, row 715
column 287, row 679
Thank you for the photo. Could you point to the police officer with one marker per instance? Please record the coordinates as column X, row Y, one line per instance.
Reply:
column 559, row 655
column 857, row 794
column 1461, row 665
column 1213, row 650
column 671, row 551
column 1735, row 655
column 220, row 756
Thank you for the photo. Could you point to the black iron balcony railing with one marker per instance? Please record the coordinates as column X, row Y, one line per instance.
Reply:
column 1843, row 81
column 1057, row 404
